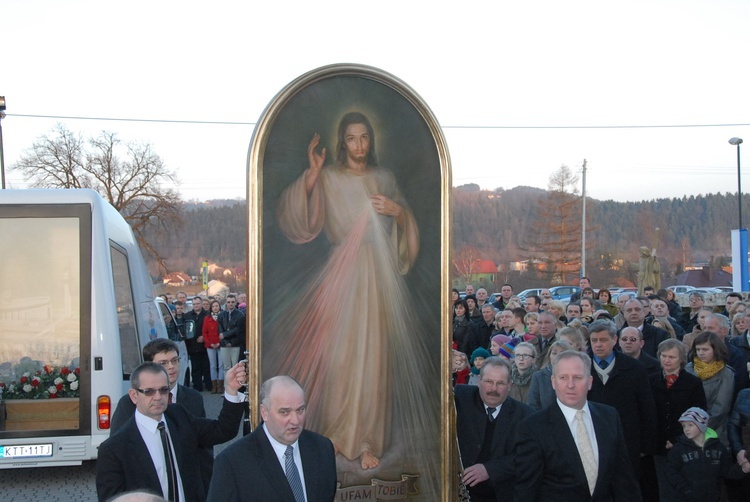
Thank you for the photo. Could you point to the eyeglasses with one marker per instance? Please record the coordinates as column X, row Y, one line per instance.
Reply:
column 150, row 392
column 628, row 339
column 169, row 362
column 524, row 356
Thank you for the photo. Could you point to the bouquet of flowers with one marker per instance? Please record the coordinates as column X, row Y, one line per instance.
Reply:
column 50, row 382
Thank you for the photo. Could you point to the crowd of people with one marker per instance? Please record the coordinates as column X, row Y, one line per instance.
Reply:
column 676, row 383
column 213, row 335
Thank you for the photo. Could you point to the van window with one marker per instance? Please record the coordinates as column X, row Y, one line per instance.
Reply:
column 129, row 347
column 40, row 319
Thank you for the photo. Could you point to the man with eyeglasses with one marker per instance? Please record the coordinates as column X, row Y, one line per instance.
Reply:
column 487, row 420
column 164, row 352
column 631, row 343
column 157, row 448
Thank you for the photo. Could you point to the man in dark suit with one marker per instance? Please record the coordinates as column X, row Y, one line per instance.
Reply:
column 631, row 343
column 139, row 455
column 635, row 315
column 200, row 368
column 574, row 450
column 486, row 424
column 622, row 382
column 166, row 353
column 278, row 456
column 480, row 332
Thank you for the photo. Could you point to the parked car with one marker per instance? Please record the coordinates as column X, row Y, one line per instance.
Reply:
column 706, row 291
column 680, row 289
column 725, row 289
column 563, row 293
column 529, row 292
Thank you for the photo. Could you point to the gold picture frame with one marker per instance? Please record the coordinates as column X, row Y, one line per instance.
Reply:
column 292, row 280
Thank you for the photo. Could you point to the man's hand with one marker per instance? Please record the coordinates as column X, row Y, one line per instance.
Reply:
column 475, row 474
column 236, row 377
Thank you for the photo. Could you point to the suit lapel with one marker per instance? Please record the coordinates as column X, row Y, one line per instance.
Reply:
column 503, row 422
column 603, row 443
column 309, row 465
column 562, row 432
column 271, row 467
column 141, row 456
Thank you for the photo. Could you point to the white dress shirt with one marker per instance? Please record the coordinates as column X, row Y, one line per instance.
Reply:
column 147, row 426
column 570, row 417
column 280, row 450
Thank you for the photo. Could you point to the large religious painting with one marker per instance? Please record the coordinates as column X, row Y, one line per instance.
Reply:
column 348, row 211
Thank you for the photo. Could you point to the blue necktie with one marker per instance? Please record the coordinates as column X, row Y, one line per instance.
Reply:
column 603, row 364
column 292, row 474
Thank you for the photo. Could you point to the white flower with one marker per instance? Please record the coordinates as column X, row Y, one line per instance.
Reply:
column 72, row 377
column 74, row 386
column 52, row 389
column 27, row 374
column 27, row 387
column 58, row 381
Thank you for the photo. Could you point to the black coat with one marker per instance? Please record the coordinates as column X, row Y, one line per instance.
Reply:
column 652, row 337
column 686, row 392
column 549, row 468
column 124, row 463
column 471, row 421
column 628, row 391
column 248, row 470
column 188, row 398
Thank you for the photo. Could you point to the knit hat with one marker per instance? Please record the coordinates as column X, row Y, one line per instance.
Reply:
column 508, row 349
column 697, row 416
column 500, row 340
column 480, row 352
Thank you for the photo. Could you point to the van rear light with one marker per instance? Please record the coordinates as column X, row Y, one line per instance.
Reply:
column 104, row 411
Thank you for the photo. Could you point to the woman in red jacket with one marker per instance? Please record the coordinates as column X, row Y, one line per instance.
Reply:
column 211, row 342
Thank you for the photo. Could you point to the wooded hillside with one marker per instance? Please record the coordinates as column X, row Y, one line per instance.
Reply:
column 500, row 225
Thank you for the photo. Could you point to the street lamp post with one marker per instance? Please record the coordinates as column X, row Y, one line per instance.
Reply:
column 738, row 142
column 2, row 154
column 740, row 275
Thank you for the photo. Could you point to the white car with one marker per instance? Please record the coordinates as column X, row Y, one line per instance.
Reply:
column 682, row 289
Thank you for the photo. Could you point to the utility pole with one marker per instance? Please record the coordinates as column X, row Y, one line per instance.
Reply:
column 583, row 222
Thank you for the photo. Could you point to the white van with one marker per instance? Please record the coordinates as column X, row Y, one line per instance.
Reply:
column 76, row 306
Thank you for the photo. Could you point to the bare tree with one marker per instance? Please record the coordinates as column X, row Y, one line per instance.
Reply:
column 138, row 185
column 466, row 262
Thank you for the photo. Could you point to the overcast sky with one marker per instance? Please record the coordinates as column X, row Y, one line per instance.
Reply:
column 515, row 85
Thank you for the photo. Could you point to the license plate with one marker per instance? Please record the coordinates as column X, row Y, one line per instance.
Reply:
column 26, row 451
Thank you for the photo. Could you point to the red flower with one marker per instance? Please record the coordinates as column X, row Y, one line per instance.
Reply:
column 59, row 386
column 53, row 396
column 23, row 379
column 64, row 371
column 2, row 384
column 47, row 369
column 35, row 382
column 37, row 372
column 77, row 370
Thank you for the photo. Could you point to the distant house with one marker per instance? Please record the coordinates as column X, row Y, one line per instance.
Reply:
column 176, row 279
column 705, row 277
column 478, row 273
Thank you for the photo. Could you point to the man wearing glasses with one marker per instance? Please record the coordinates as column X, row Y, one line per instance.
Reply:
column 486, row 423
column 631, row 343
column 157, row 448
column 164, row 352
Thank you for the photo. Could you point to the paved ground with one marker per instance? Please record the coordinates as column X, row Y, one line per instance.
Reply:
column 69, row 484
